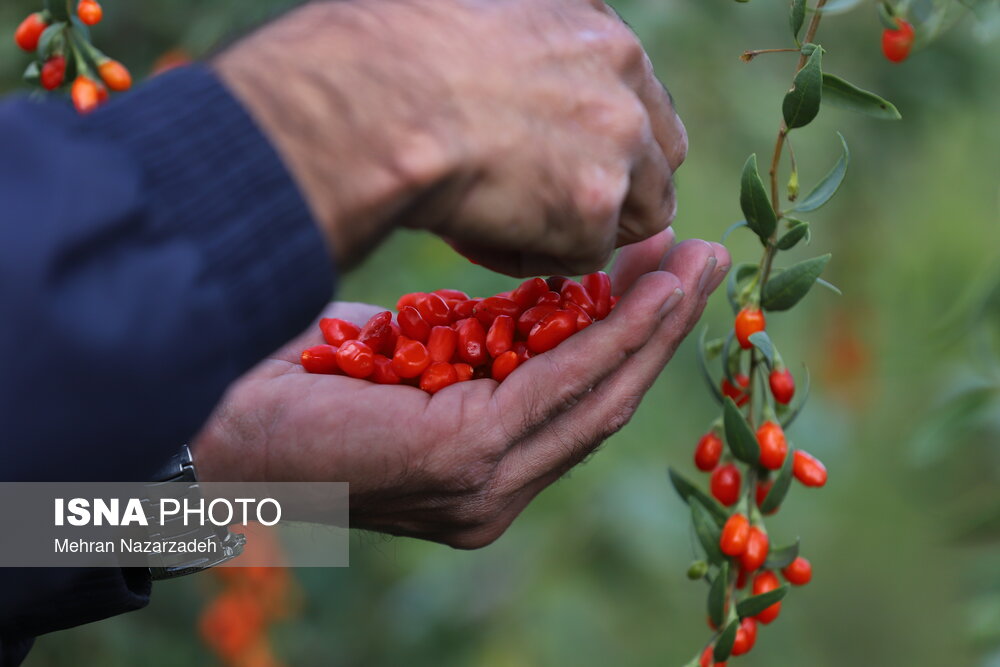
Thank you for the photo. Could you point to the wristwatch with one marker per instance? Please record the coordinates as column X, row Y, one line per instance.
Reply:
column 180, row 469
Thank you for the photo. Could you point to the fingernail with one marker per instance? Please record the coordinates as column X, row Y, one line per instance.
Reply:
column 706, row 273
column 671, row 302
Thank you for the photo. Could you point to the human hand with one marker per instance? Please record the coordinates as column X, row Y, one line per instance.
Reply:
column 458, row 466
column 532, row 134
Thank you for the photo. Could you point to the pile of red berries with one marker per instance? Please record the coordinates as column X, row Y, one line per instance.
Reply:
column 63, row 48
column 443, row 337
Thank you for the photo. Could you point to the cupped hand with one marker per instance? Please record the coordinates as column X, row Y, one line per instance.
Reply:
column 458, row 466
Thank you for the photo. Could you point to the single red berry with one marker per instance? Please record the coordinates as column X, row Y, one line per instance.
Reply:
column 437, row 376
column 758, row 546
column 409, row 300
column 583, row 320
column 896, row 44
column 746, row 637
column 799, row 572
column 766, row 582
column 782, row 385
column 598, row 286
column 532, row 316
column 464, row 309
column 29, row 31
column 412, row 324
column 500, row 337
column 85, row 94
column 749, row 321
column 741, row 579
column 574, row 292
column 808, row 469
column 411, row 358
column 764, row 488
column 491, row 308
column 554, row 329
column 725, row 484
column 773, row 445
column 708, row 452
column 382, row 372
column 737, row 392
column 377, row 333
column 356, row 359
column 526, row 294
column 337, row 331
column 53, row 72
column 115, row 75
column 735, row 535
column 708, row 658
column 455, row 294
column 321, row 359
column 504, row 365
column 471, row 342
column 550, row 298
column 434, row 309
column 442, row 344
column 463, row 372
column 90, row 12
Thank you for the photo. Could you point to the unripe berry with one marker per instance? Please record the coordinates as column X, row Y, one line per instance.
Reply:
column 115, row 75
column 725, row 484
column 708, row 452
column 90, row 12
column 773, row 445
column 799, row 572
column 749, row 321
column 782, row 385
column 808, row 469
column 735, row 535
column 29, row 31
column 85, row 94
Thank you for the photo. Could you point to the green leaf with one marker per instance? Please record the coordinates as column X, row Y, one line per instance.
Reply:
column 737, row 277
column 827, row 187
column 797, row 230
column 787, row 288
column 801, row 396
column 830, row 286
column 46, row 41
column 707, row 530
column 717, row 596
column 724, row 644
column 753, row 200
column 703, row 365
column 780, row 488
column 838, row 6
column 802, row 102
column 846, row 95
column 886, row 18
column 782, row 556
column 686, row 490
column 797, row 17
column 752, row 606
column 32, row 72
column 732, row 228
column 741, row 440
column 763, row 343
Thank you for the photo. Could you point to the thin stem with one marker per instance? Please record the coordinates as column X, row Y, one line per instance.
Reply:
column 750, row 55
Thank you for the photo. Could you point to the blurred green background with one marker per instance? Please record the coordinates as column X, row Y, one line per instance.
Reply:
column 593, row 572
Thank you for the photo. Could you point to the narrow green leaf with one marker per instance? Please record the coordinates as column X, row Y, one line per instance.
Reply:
column 787, row 288
column 703, row 365
column 886, row 17
column 827, row 187
column 801, row 396
column 830, row 286
column 732, row 228
column 737, row 277
column 752, row 606
column 802, row 102
column 741, row 440
column 797, row 230
column 724, row 644
column 838, row 6
column 686, row 490
column 707, row 530
column 763, row 343
column 754, row 201
column 797, row 17
column 782, row 556
column 846, row 95
column 717, row 596
column 780, row 488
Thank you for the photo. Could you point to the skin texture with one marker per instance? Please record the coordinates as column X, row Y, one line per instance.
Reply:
column 532, row 134
column 458, row 467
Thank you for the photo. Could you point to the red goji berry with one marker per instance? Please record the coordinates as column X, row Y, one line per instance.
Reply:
column 491, row 308
column 764, row 488
column 53, row 72
column 464, row 309
column 725, row 484
column 504, row 365
column 437, row 376
column 526, row 294
column 799, row 572
column 471, row 341
column 554, row 329
column 529, row 318
column 549, row 299
column 412, row 324
column 773, row 445
column 442, row 343
column 463, row 372
column 737, row 393
column 29, row 31
column 749, row 321
column 382, row 373
column 85, row 94
column 574, row 292
column 377, row 332
column 583, row 320
column 115, row 75
column 411, row 358
column 896, row 44
column 320, row 359
column 337, row 331
column 708, row 658
column 735, row 535
column 500, row 337
column 746, row 637
column 598, row 285
column 452, row 294
column 708, row 452
column 782, row 385
column 434, row 310
column 808, row 469
column 758, row 546
column 90, row 12
column 356, row 359
column 766, row 582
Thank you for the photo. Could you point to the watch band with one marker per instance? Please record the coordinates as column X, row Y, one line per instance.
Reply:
column 180, row 468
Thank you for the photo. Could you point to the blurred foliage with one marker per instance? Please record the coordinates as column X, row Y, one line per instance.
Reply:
column 593, row 572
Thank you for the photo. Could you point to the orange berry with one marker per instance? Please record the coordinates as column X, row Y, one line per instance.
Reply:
column 115, row 75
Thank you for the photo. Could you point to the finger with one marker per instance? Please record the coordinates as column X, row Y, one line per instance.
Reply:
column 553, row 382
column 570, row 437
column 650, row 204
column 639, row 258
column 667, row 126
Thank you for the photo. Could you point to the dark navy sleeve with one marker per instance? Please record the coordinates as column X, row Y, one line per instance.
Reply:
column 150, row 253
